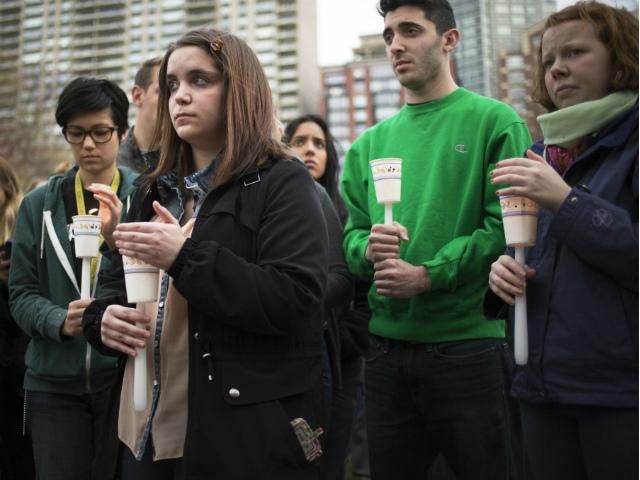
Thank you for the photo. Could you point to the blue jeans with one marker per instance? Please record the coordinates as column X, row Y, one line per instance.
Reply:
column 446, row 398
column 74, row 436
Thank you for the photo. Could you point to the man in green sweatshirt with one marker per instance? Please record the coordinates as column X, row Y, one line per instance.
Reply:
column 436, row 377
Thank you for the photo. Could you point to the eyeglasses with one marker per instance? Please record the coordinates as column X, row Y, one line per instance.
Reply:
column 76, row 135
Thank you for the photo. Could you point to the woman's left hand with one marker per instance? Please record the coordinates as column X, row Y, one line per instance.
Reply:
column 156, row 243
column 5, row 263
column 533, row 178
column 110, row 210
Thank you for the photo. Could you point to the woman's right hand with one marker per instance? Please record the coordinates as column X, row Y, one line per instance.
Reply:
column 124, row 329
column 508, row 278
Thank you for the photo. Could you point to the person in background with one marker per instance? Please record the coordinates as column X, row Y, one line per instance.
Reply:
column 436, row 374
column 242, row 246
column 66, row 382
column 16, row 458
column 60, row 169
column 346, row 335
column 137, row 150
column 578, row 393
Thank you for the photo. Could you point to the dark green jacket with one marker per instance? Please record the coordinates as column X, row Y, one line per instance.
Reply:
column 40, row 290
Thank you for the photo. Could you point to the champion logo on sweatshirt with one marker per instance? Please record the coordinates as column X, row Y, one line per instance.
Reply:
column 461, row 148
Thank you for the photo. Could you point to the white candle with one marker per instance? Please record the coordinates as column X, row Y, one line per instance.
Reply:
column 140, row 374
column 521, row 336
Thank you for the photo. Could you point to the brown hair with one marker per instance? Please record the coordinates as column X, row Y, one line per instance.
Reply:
column 144, row 76
column 617, row 30
column 9, row 184
column 248, row 111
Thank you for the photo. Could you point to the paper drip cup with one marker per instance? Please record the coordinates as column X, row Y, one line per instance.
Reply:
column 86, row 235
column 520, row 220
column 141, row 280
column 387, row 174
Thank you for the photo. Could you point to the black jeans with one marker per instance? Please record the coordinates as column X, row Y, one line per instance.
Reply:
column 16, row 458
column 429, row 399
column 581, row 443
column 146, row 468
column 74, row 436
column 340, row 407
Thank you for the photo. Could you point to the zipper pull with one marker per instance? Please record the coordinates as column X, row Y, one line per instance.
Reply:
column 209, row 359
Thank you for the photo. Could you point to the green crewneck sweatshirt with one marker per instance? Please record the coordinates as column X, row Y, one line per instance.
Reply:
column 448, row 147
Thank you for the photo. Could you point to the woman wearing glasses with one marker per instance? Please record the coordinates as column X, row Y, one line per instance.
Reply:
column 66, row 382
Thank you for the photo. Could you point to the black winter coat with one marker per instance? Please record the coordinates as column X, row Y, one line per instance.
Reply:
column 253, row 274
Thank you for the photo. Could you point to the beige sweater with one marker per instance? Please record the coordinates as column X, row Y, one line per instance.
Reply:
column 169, row 424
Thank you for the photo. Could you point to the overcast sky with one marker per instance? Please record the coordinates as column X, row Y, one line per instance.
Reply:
column 341, row 22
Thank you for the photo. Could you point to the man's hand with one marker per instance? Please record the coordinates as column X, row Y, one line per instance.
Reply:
column 72, row 326
column 396, row 278
column 384, row 242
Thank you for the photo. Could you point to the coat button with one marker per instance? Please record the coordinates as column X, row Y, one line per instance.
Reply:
column 573, row 199
column 195, row 336
column 161, row 304
column 234, row 393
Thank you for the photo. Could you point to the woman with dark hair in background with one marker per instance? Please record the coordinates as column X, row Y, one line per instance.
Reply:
column 347, row 317
column 579, row 390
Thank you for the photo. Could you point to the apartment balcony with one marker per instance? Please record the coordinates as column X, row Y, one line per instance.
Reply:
column 8, row 51
column 288, row 100
column 288, row 74
column 288, row 61
column 199, row 4
column 98, row 42
column 289, row 35
column 9, row 17
column 99, row 27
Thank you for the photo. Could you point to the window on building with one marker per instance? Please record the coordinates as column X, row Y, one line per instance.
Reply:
column 336, row 103
column 360, row 101
column 338, row 117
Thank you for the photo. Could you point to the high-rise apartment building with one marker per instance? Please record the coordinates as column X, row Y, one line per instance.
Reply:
column 360, row 93
column 46, row 43
column 516, row 77
column 488, row 27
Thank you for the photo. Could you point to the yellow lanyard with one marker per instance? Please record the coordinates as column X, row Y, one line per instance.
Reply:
column 82, row 210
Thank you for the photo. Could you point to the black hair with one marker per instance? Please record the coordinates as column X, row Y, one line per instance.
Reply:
column 331, row 175
column 437, row 11
column 143, row 76
column 88, row 94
